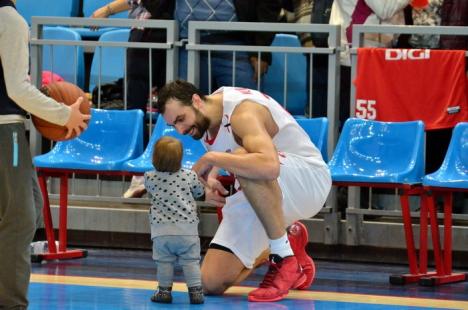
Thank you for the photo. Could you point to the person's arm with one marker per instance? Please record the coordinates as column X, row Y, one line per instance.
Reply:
column 248, row 122
column 14, row 54
column 111, row 8
column 196, row 186
column 385, row 9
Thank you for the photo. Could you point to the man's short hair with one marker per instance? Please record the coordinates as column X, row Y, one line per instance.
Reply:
column 180, row 90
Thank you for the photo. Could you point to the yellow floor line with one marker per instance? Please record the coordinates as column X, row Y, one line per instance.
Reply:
column 243, row 290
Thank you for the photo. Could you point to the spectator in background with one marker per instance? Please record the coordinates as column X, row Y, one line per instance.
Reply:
column 427, row 15
column 248, row 66
column 350, row 12
column 20, row 198
column 138, row 68
column 454, row 13
column 138, row 72
column 315, row 12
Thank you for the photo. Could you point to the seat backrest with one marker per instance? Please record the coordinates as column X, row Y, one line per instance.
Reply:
column 317, row 129
column 89, row 6
column 113, row 59
column 112, row 137
column 296, row 66
column 193, row 149
column 457, row 152
column 381, row 152
column 66, row 61
column 454, row 169
column 62, row 8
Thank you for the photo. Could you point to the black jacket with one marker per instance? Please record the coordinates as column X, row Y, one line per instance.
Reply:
column 266, row 11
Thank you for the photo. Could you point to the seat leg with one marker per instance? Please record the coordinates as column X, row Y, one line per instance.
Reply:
column 416, row 272
column 435, row 235
column 219, row 213
column 62, row 252
column 411, row 250
column 63, row 213
column 423, row 233
column 448, row 200
column 49, row 228
column 443, row 259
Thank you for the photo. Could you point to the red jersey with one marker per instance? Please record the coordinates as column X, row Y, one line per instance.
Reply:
column 412, row 84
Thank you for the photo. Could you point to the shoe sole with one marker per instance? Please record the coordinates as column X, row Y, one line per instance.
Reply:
column 298, row 283
column 309, row 276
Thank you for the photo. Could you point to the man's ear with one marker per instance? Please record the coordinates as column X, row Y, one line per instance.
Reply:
column 197, row 102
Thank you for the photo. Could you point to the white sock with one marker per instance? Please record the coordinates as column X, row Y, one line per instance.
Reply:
column 281, row 246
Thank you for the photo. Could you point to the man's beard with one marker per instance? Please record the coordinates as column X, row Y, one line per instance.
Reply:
column 202, row 123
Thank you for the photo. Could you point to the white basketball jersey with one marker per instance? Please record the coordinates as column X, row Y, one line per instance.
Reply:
column 290, row 138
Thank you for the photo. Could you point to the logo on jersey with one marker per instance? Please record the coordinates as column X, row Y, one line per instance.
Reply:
column 407, row 54
column 453, row 110
column 226, row 122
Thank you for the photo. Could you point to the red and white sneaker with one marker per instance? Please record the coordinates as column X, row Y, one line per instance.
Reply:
column 298, row 238
column 283, row 274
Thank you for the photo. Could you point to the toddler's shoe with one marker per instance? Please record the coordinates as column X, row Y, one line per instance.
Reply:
column 196, row 295
column 162, row 295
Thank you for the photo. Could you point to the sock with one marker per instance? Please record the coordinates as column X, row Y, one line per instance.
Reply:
column 281, row 246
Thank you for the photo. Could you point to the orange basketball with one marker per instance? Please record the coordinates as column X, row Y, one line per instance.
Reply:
column 65, row 93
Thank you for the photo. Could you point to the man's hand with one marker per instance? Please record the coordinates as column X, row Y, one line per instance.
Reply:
column 215, row 192
column 203, row 168
column 263, row 67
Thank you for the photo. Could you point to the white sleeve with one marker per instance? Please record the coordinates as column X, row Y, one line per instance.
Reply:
column 14, row 55
column 385, row 9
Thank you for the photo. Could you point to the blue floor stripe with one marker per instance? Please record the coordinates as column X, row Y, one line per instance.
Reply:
column 75, row 297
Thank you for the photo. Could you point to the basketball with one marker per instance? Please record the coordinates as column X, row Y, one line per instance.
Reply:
column 64, row 93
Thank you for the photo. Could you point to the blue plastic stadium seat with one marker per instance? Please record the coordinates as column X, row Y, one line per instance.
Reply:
column 451, row 177
column 89, row 6
column 379, row 152
column 112, row 138
column 62, row 8
column 296, row 66
column 317, row 129
column 66, row 61
column 193, row 149
column 386, row 155
column 454, row 170
column 113, row 59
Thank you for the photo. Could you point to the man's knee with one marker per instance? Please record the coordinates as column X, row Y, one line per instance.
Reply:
column 214, row 285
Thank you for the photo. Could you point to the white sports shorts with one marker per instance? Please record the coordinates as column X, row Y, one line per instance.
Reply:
column 305, row 185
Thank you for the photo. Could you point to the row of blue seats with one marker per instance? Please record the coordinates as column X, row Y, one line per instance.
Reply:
column 114, row 142
column 367, row 151
column 108, row 65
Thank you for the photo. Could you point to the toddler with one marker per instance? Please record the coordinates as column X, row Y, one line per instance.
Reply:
column 174, row 220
